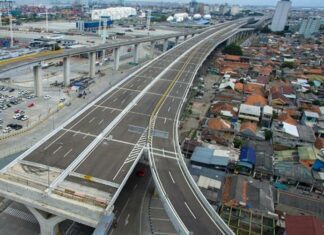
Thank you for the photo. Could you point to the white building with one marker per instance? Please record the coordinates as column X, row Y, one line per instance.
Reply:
column 115, row 13
column 235, row 9
column 310, row 26
column 279, row 19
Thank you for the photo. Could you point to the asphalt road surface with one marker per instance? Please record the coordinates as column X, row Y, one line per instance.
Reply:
column 110, row 160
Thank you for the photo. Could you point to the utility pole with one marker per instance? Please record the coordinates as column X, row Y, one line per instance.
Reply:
column 148, row 20
column 11, row 32
column 46, row 15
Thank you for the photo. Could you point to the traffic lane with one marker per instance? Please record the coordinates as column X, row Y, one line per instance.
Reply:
column 169, row 109
column 140, row 82
column 106, row 160
column 130, row 128
column 17, row 220
column 94, row 121
column 61, row 149
column 120, row 100
column 160, row 86
column 163, row 134
column 183, row 199
column 146, row 104
column 129, row 204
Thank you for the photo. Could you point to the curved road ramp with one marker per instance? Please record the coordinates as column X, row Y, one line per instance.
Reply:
column 78, row 170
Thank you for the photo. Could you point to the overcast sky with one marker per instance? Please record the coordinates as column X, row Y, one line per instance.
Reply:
column 311, row 3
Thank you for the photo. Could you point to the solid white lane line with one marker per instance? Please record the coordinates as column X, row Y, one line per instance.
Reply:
column 85, row 136
column 118, row 171
column 100, row 122
column 67, row 153
column 190, row 210
column 169, row 109
column 123, row 101
column 165, row 120
column 171, row 177
column 113, row 110
column 172, row 99
column 58, row 149
column 75, row 133
column 92, row 119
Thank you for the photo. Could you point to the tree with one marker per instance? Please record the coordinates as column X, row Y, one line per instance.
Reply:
column 266, row 30
column 268, row 134
column 233, row 49
column 316, row 102
column 288, row 64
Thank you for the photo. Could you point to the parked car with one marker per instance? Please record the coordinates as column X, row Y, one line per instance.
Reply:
column 15, row 126
column 30, row 105
column 47, row 97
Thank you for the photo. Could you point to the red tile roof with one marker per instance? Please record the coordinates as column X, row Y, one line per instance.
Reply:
column 285, row 117
column 218, row 124
column 232, row 57
column 304, row 225
column 248, row 125
column 256, row 100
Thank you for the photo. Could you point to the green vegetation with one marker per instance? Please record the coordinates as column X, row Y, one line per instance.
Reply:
column 238, row 143
column 266, row 30
column 268, row 134
column 316, row 102
column 233, row 49
column 290, row 65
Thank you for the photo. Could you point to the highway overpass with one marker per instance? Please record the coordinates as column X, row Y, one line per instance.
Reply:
column 78, row 170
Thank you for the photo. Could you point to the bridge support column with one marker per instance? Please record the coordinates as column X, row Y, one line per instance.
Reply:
column 185, row 37
column 116, row 58
column 136, row 53
column 165, row 45
column 192, row 35
column 37, row 69
column 48, row 223
column 103, row 56
column 176, row 40
column 92, row 62
column 152, row 48
column 66, row 71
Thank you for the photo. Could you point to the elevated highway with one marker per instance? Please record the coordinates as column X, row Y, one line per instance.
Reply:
column 78, row 170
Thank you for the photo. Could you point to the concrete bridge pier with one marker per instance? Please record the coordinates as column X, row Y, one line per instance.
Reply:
column 176, row 40
column 185, row 37
column 165, row 45
column 103, row 56
column 192, row 35
column 136, row 53
column 152, row 48
column 116, row 58
column 37, row 69
column 66, row 71
column 92, row 63
column 48, row 223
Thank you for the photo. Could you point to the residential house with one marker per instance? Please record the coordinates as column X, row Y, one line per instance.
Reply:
column 210, row 158
column 223, row 109
column 267, row 113
column 310, row 118
column 256, row 100
column 250, row 112
column 307, row 155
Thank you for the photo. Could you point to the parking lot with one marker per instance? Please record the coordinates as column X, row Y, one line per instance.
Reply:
column 19, row 108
